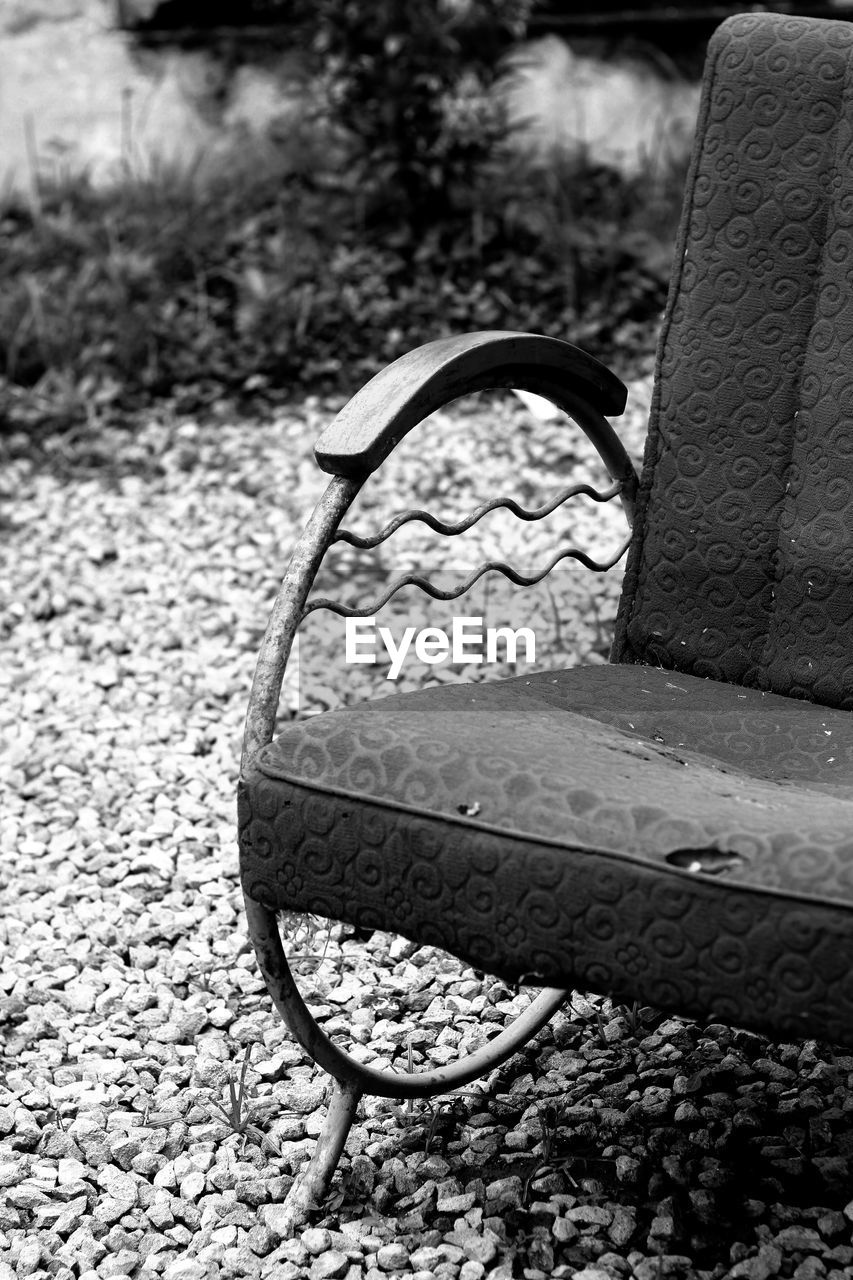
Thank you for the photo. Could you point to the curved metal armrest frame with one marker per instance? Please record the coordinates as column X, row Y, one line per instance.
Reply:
column 359, row 439
column 382, row 413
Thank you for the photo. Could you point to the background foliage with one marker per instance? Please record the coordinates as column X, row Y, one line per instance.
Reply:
column 393, row 210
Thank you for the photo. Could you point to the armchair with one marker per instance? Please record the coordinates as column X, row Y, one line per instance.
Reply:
column 675, row 826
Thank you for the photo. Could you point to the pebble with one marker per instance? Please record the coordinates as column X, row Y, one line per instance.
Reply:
column 130, row 992
column 331, row 1263
column 392, row 1257
column 317, row 1240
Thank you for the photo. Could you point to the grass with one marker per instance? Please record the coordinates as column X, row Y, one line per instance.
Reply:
column 237, row 1114
column 261, row 279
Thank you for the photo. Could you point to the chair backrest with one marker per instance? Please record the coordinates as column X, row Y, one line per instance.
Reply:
column 741, row 567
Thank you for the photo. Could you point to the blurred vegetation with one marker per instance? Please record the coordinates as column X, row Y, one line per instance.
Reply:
column 393, row 210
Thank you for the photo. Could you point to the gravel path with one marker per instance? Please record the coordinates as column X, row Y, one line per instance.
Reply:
column 136, row 576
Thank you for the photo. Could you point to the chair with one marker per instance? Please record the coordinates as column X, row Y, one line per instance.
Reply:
column 676, row 826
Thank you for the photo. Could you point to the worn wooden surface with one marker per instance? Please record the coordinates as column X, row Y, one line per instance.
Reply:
column 413, row 387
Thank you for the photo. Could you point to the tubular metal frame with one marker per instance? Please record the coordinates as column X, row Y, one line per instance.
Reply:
column 352, row 1079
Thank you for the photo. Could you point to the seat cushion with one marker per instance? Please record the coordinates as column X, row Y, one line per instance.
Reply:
column 617, row 828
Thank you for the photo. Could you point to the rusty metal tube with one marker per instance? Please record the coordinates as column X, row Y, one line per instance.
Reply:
column 263, row 929
column 286, row 613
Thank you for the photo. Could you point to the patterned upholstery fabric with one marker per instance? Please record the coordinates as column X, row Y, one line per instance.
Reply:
column 640, row 829
column 742, row 568
column 549, row 824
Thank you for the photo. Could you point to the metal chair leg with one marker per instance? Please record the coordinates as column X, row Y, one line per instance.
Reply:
column 312, row 1183
column 352, row 1078
column 263, row 930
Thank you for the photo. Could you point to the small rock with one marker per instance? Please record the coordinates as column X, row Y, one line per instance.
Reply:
column 69, row 1170
column 25, row 1197
column 590, row 1215
column 457, row 1204
column 425, row 1258
column 627, row 1169
column 192, row 1186
column 663, row 1227
column 810, row 1268
column 148, row 1164
column 123, row 1263
column 118, row 1184
column 260, row 1240
column 304, row 1096
column 831, row 1223
column 564, row 1231
column 622, row 1226
column 794, row 1237
column 160, row 1215
column 124, row 1150
column 663, row 1265
column 761, row 1266
column 329, row 1264
column 108, row 1210
column 317, row 1240
column 503, row 1193
column 393, row 1257
column 29, row 1258
column 185, row 1269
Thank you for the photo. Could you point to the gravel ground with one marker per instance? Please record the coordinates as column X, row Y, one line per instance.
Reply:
column 137, row 572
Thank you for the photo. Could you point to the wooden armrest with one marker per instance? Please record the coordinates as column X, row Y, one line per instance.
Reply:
column 413, row 387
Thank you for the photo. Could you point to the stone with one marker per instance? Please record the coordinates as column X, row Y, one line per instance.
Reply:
column 622, row 1226
column 108, row 1210
column 564, row 1231
column 482, row 1248
column 72, row 1212
column 116, row 1183
column 68, row 1170
column 317, row 1240
column 260, row 1240
column 810, row 1268
column 831, row 1223
column 627, row 1169
column 326, row 1265
column 29, row 1258
column 124, row 1147
column 760, row 1266
column 456, row 1204
column 392, row 1257
column 186, row 1269
column 304, row 1096
column 663, row 1227
column 663, row 1265
column 192, row 1186
column 799, row 1237
column 503, row 1193
column 590, row 1215
column 426, row 1258
column 122, row 1263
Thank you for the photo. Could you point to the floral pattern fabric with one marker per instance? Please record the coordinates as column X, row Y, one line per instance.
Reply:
column 742, row 567
column 671, row 839
column 667, row 828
